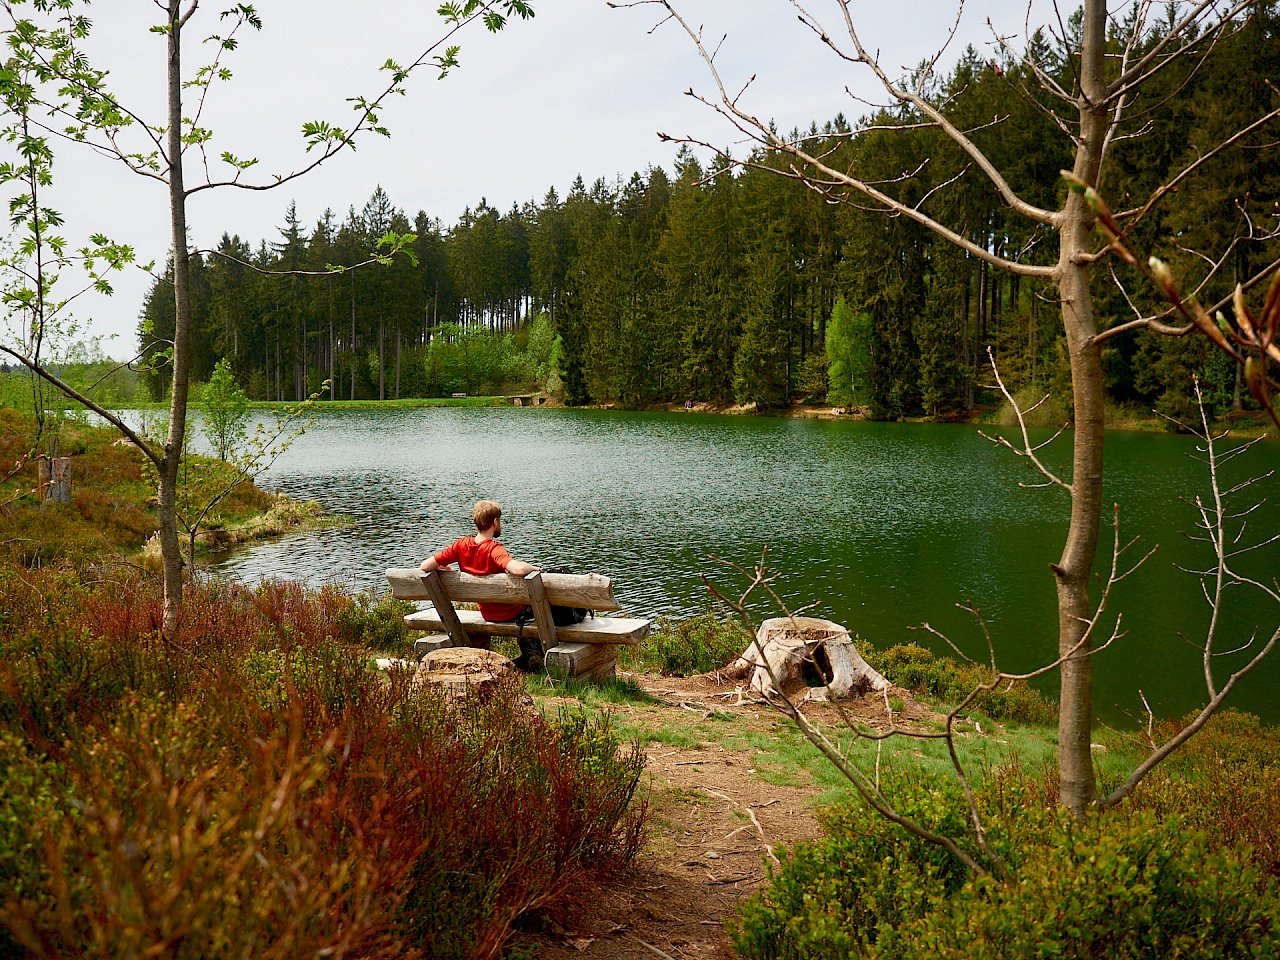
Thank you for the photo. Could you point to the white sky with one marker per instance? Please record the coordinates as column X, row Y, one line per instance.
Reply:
column 579, row 89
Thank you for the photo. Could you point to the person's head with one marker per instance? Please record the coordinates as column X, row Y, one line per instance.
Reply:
column 486, row 514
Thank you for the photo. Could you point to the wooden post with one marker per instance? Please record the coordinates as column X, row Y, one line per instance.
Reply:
column 444, row 607
column 55, row 479
column 541, row 610
column 582, row 661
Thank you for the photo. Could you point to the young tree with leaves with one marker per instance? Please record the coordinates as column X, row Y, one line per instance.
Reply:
column 73, row 101
column 226, row 411
column 849, row 355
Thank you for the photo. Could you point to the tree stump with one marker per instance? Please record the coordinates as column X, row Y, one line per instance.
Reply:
column 812, row 659
column 55, row 479
column 463, row 670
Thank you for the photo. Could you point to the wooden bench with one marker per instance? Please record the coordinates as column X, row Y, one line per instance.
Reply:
column 586, row 650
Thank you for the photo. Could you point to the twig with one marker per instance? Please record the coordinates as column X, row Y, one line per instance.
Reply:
column 768, row 847
column 654, row 950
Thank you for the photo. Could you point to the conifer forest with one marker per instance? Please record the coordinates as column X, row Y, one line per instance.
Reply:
column 716, row 282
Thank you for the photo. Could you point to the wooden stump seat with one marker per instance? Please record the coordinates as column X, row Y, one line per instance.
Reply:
column 586, row 650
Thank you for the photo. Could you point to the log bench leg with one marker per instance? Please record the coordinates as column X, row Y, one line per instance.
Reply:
column 582, row 661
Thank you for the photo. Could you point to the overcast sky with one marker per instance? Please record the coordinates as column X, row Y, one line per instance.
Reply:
column 580, row 89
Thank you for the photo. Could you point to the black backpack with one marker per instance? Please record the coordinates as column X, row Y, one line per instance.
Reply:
column 566, row 616
column 560, row 616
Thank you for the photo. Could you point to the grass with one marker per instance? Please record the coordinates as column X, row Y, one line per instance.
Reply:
column 592, row 693
column 410, row 403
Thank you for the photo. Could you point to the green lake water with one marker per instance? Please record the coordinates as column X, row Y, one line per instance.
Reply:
column 884, row 525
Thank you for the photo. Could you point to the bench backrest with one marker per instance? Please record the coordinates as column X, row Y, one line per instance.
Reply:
column 589, row 590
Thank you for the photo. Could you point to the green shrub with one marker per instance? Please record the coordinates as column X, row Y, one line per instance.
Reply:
column 684, row 647
column 1224, row 781
column 944, row 680
column 376, row 624
column 836, row 896
column 1124, row 885
column 1118, row 887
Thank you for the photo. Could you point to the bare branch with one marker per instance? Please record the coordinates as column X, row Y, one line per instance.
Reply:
column 137, row 439
column 1215, row 520
column 1143, row 68
column 984, row 163
column 1027, row 451
column 1135, row 215
column 866, row 788
column 760, row 132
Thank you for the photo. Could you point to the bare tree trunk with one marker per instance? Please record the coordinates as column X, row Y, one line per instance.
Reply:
column 301, row 366
column 333, row 348
column 353, row 334
column 980, row 321
column 970, row 362
column 1076, row 783
column 170, row 548
column 1034, row 315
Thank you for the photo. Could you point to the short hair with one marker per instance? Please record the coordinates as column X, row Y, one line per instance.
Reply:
column 485, row 512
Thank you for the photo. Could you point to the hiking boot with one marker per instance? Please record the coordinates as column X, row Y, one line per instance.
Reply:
column 530, row 659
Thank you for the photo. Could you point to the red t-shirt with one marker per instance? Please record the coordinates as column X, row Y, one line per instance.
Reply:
column 481, row 558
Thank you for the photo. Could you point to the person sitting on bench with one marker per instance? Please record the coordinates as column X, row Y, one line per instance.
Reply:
column 482, row 555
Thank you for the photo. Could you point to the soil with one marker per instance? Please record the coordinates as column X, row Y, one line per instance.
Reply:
column 712, row 829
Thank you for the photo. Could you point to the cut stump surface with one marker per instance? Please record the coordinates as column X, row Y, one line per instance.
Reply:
column 812, row 659
column 462, row 669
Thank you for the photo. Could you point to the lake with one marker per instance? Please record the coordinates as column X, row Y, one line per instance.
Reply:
column 884, row 525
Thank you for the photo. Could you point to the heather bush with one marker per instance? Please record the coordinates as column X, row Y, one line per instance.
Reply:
column 1225, row 781
column 684, row 647
column 945, row 681
column 377, row 624
column 1125, row 885
column 254, row 788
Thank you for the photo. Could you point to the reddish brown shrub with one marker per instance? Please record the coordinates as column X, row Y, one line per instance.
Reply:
column 256, row 788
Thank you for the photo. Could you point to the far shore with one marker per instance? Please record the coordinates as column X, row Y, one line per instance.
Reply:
column 1252, row 423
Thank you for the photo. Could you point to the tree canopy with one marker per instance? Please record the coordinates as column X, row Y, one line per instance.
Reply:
column 718, row 284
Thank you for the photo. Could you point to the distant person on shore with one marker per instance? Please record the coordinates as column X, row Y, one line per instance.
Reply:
column 482, row 555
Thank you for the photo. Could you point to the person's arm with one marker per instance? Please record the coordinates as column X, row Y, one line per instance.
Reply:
column 441, row 559
column 517, row 568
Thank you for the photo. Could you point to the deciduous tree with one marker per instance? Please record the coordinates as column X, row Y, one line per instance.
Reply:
column 74, row 101
column 1099, row 88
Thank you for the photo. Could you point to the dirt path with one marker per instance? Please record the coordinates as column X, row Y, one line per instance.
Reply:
column 717, row 812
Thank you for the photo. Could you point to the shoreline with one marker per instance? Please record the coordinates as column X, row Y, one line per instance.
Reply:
column 1251, row 424
column 284, row 517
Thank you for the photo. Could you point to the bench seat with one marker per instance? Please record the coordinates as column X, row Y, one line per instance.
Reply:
column 583, row 651
column 612, row 630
